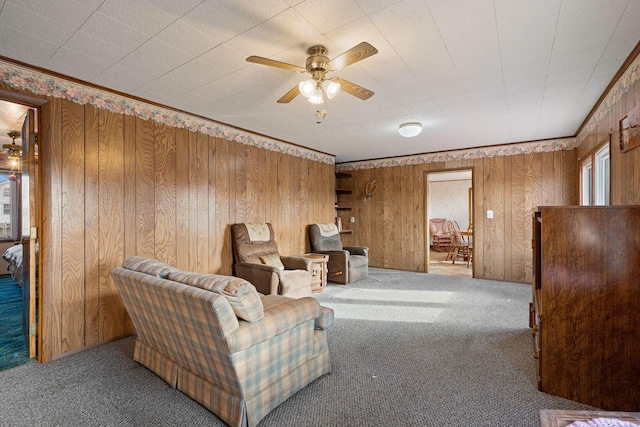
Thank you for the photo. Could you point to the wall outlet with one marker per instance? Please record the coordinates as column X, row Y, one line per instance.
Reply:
column 489, row 214
column 352, row 219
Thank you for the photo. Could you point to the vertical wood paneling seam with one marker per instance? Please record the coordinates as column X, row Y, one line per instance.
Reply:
column 91, row 144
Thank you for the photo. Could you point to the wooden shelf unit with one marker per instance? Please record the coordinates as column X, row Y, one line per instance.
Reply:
column 340, row 190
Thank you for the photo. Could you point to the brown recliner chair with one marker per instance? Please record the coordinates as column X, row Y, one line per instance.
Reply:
column 258, row 261
column 346, row 264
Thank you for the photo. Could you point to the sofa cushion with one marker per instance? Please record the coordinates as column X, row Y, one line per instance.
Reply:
column 149, row 266
column 241, row 295
column 295, row 283
column 273, row 260
column 244, row 300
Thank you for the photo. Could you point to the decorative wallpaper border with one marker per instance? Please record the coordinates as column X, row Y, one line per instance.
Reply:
column 468, row 154
column 43, row 84
column 628, row 78
column 40, row 83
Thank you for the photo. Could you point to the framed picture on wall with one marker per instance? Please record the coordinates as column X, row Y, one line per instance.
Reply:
column 629, row 131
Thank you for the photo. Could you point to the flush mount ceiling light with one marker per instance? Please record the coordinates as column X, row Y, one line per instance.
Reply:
column 411, row 129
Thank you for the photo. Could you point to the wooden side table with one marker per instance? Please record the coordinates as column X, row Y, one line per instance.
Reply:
column 318, row 271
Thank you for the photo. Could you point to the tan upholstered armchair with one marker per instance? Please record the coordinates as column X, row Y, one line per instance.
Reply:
column 215, row 338
column 440, row 234
column 346, row 264
column 258, row 261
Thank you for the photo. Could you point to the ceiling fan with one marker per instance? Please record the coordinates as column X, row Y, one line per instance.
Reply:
column 318, row 65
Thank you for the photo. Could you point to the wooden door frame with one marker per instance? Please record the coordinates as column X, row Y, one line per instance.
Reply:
column 427, row 232
column 35, row 104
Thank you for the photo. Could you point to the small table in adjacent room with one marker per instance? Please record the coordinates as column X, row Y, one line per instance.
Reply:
column 318, row 271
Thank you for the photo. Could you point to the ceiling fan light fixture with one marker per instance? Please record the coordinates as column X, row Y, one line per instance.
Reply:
column 316, row 98
column 307, row 87
column 331, row 88
column 14, row 151
column 410, row 129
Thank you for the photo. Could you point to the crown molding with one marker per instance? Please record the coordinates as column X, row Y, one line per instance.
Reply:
column 467, row 154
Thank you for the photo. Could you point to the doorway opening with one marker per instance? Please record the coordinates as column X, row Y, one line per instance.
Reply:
column 449, row 203
column 18, row 244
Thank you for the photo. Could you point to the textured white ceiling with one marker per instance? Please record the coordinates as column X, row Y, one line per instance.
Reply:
column 474, row 72
column 11, row 119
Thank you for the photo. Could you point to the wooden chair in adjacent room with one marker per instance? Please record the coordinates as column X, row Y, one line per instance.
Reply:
column 470, row 244
column 460, row 248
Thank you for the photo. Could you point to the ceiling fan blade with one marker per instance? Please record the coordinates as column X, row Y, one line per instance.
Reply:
column 353, row 55
column 353, row 89
column 288, row 97
column 274, row 63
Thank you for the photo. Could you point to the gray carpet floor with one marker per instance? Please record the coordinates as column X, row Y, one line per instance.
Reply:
column 407, row 349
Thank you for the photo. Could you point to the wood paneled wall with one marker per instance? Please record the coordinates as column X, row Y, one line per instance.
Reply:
column 115, row 186
column 394, row 225
column 625, row 167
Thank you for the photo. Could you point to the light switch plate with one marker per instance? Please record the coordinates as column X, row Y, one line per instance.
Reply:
column 489, row 214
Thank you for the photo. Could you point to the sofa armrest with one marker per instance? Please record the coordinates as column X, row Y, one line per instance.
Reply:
column 264, row 277
column 326, row 318
column 296, row 263
column 282, row 316
column 358, row 250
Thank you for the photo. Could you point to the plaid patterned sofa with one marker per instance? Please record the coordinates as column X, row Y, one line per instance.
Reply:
column 215, row 338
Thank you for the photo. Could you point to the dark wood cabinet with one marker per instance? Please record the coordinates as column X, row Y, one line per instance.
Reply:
column 585, row 313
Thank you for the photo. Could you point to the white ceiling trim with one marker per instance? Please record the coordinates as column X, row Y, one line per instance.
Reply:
column 468, row 154
column 40, row 83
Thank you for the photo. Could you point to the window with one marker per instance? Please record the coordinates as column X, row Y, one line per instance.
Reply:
column 595, row 172
column 587, row 182
column 601, row 177
column 9, row 198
